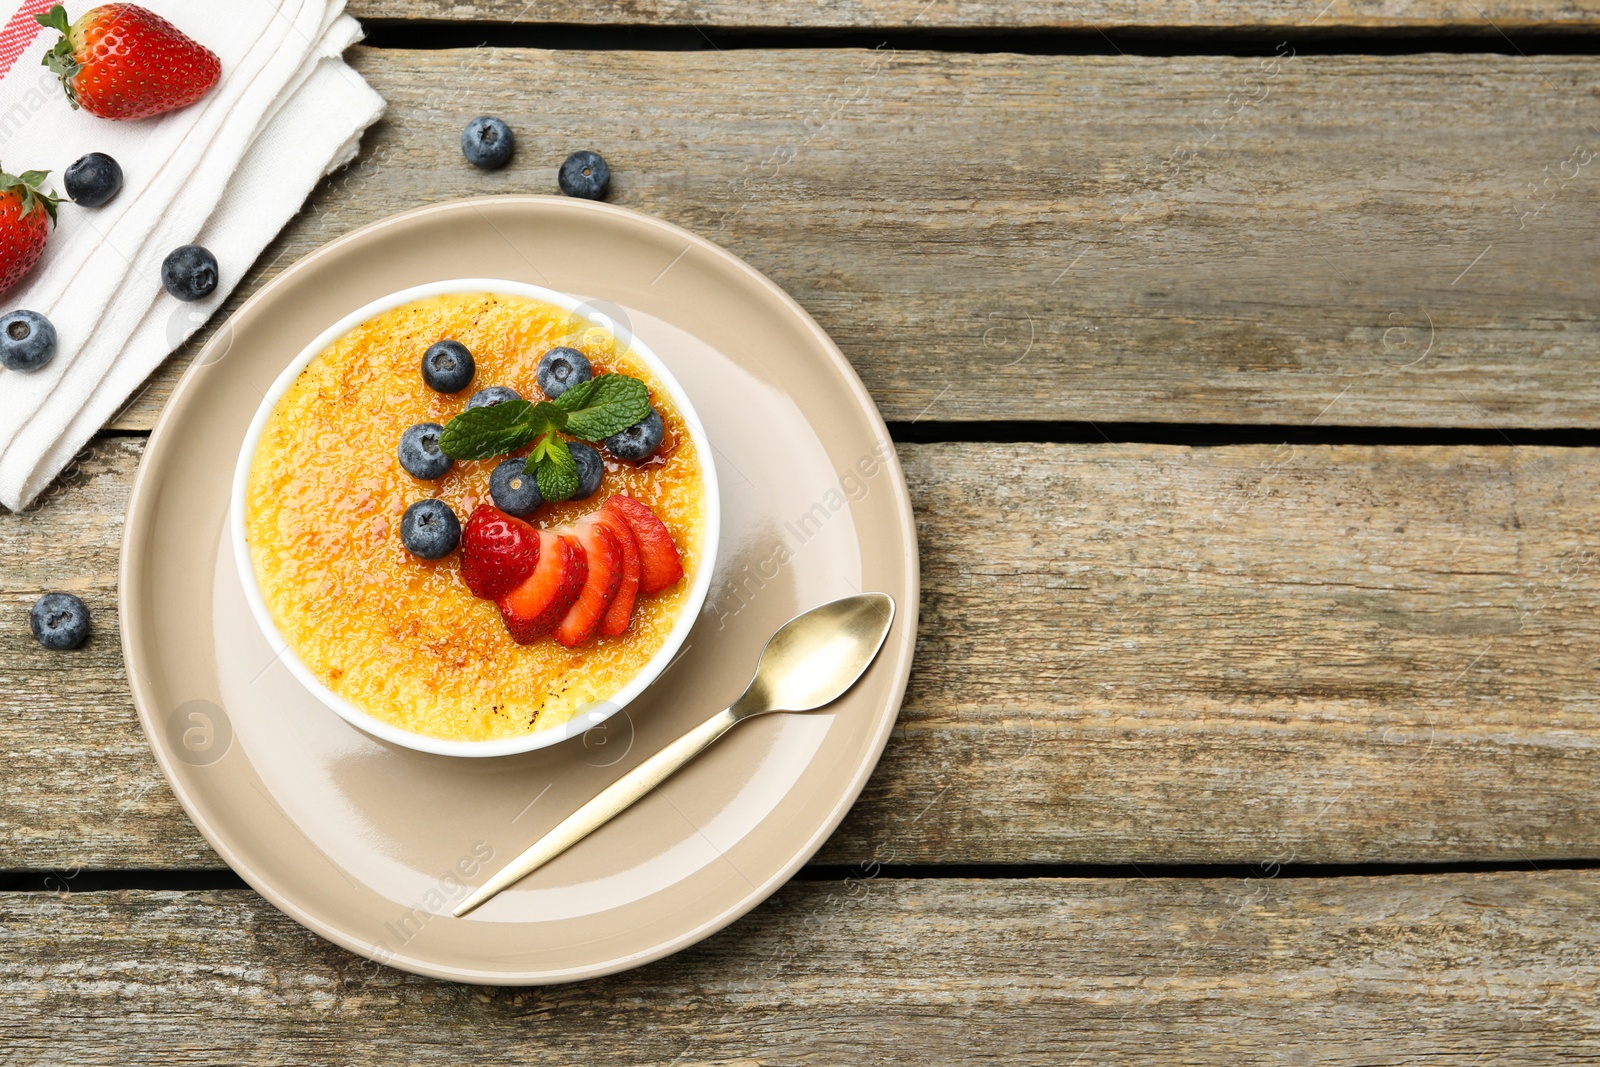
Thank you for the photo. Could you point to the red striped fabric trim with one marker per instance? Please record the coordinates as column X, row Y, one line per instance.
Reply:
column 19, row 33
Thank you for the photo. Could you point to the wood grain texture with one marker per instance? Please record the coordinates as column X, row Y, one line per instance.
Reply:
column 1492, row 968
column 1131, row 653
column 1015, row 14
column 1340, row 240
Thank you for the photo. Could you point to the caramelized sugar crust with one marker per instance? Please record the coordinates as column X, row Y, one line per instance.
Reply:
column 401, row 638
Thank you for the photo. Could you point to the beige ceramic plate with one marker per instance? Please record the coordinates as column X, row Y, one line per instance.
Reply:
column 370, row 844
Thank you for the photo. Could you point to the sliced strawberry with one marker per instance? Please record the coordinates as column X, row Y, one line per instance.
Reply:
column 497, row 552
column 620, row 613
column 660, row 566
column 538, row 605
column 605, row 576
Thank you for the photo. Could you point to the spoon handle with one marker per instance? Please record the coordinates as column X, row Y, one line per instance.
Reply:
column 617, row 798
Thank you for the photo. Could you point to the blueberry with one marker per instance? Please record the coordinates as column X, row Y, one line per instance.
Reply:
column 60, row 621
column 638, row 441
column 419, row 452
column 495, row 394
column 27, row 340
column 190, row 273
column 487, row 142
column 513, row 491
column 430, row 530
column 93, row 180
column 586, row 175
column 448, row 367
column 561, row 369
column 591, row 468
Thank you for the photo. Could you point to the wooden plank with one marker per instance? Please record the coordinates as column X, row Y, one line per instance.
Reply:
column 1132, row 653
column 1345, row 240
column 1490, row 17
column 1460, row 968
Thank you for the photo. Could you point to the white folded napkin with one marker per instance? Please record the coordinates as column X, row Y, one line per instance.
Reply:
column 227, row 172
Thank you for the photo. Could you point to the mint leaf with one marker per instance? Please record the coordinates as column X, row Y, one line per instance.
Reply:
column 547, row 416
column 603, row 406
column 552, row 465
column 486, row 432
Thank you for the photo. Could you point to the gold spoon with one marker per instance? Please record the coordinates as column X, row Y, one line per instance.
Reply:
column 810, row 662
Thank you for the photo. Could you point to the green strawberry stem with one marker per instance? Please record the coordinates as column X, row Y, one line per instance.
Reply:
column 55, row 19
column 27, row 187
column 62, row 59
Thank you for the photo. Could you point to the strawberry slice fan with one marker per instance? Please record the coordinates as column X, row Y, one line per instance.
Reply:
column 227, row 171
column 569, row 582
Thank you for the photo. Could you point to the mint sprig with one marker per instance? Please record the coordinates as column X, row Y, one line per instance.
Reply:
column 590, row 411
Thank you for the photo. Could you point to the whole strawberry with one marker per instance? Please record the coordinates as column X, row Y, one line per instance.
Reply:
column 26, row 212
column 121, row 61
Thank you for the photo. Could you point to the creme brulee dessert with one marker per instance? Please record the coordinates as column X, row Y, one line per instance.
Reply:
column 488, row 595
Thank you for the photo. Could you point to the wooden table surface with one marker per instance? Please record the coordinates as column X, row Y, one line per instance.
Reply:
column 1244, row 362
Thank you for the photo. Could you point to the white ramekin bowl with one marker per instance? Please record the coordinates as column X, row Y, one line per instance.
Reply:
column 584, row 720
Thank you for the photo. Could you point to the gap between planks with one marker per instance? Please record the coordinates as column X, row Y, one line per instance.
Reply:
column 932, row 16
column 433, row 35
column 202, row 880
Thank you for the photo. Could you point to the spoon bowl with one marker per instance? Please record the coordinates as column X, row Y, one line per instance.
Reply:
column 816, row 656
